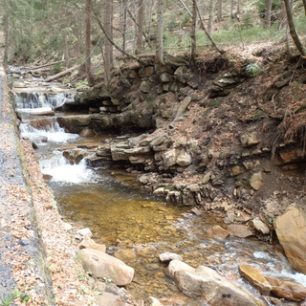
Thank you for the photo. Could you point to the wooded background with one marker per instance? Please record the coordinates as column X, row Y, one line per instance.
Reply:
column 102, row 32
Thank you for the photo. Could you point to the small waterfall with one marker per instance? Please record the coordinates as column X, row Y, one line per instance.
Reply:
column 60, row 170
column 31, row 100
column 50, row 132
column 280, row 267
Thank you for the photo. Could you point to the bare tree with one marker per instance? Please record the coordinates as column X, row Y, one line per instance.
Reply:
column 291, row 25
column 268, row 13
column 108, row 49
column 140, row 25
column 88, row 8
column 5, row 6
column 123, row 18
column 238, row 7
column 219, row 9
column 304, row 3
column 160, row 32
column 210, row 15
column 193, row 30
column 232, row 9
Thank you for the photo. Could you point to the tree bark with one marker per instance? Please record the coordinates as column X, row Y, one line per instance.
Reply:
column 88, row 8
column 268, row 13
column 108, row 48
column 140, row 24
column 123, row 22
column 219, row 9
column 293, row 32
column 6, row 31
column 193, row 31
column 238, row 7
column 160, row 32
column 210, row 15
column 232, row 9
column 304, row 3
column 62, row 73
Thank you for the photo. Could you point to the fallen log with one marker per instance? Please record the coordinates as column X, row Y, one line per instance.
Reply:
column 43, row 66
column 62, row 73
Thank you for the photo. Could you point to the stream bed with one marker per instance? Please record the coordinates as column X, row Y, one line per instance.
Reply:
column 135, row 226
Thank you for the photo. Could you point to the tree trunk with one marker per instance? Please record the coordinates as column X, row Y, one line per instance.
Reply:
column 219, row 10
column 304, row 3
column 210, row 15
column 268, row 13
column 88, row 8
column 232, row 9
column 140, row 30
column 238, row 7
column 160, row 32
column 293, row 33
column 123, row 22
column 193, row 31
column 6, row 31
column 108, row 49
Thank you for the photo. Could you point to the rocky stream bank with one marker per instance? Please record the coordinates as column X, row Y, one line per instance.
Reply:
column 222, row 136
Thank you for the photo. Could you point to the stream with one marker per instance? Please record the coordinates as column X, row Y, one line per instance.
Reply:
column 134, row 226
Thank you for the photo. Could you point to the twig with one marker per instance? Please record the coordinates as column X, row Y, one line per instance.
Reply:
column 142, row 32
column 113, row 43
column 205, row 30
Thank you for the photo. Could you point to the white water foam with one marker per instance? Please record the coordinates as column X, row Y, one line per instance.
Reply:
column 41, row 100
column 285, row 272
column 61, row 170
column 53, row 133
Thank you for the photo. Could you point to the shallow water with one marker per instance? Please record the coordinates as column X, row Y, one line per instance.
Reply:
column 137, row 228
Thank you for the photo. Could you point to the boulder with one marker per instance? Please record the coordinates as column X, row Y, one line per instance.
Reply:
column 260, row 226
column 183, row 74
column 217, row 232
column 177, row 265
column 168, row 256
column 240, row 230
column 292, row 155
column 88, row 243
column 252, row 70
column 83, row 233
column 75, row 123
column 256, row 181
column 165, row 77
column 102, row 265
column 249, row 139
column 109, row 298
column 277, row 287
column 183, row 159
column 209, row 286
column 145, row 87
column 291, row 232
column 86, row 132
column 287, row 289
column 256, row 278
column 169, row 158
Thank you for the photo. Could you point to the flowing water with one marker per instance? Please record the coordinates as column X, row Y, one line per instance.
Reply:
column 134, row 226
